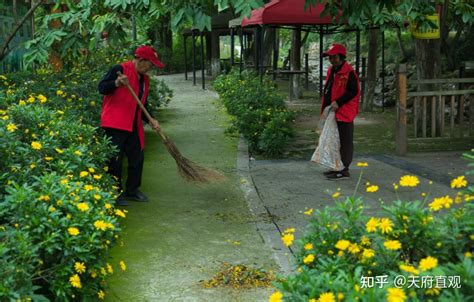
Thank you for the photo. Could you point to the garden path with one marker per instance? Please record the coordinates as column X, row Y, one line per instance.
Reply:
column 185, row 233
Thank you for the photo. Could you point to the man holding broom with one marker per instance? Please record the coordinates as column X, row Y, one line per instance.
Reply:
column 121, row 118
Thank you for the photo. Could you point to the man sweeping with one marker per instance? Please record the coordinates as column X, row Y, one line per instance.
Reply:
column 341, row 91
column 121, row 118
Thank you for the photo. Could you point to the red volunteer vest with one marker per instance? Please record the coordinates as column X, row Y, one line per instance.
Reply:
column 347, row 112
column 118, row 108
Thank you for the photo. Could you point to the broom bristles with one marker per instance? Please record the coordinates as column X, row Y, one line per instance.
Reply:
column 188, row 169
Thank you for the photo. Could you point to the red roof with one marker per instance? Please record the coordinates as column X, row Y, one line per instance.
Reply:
column 288, row 12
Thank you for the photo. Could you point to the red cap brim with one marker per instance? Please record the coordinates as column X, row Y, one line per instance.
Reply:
column 157, row 63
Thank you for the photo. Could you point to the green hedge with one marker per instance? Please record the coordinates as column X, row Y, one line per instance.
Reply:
column 261, row 116
column 423, row 238
column 57, row 219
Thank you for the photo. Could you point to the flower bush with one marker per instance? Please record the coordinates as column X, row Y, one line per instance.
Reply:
column 57, row 219
column 261, row 116
column 430, row 239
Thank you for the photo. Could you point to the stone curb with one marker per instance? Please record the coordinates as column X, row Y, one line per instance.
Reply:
column 264, row 223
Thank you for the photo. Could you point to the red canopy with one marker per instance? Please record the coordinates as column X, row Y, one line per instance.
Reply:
column 288, row 12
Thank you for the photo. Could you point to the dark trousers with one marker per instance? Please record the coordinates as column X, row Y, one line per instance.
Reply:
column 128, row 144
column 346, row 137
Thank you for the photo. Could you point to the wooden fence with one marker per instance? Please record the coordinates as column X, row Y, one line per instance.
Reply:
column 443, row 111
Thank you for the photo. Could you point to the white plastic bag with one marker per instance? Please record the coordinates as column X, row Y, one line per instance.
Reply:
column 327, row 152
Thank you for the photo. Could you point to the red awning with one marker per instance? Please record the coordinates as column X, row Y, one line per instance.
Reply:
column 288, row 12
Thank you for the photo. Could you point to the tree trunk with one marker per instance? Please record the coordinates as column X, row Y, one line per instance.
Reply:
column 215, row 54
column 371, row 78
column 401, row 45
column 296, row 91
column 270, row 36
column 208, row 54
column 428, row 60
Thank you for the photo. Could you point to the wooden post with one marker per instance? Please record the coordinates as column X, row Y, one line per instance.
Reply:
column 461, row 116
column 185, row 59
column 401, row 127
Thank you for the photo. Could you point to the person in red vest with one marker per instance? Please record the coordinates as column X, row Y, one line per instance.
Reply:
column 121, row 118
column 342, row 93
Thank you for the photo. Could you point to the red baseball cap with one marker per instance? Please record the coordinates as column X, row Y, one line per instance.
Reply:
column 148, row 53
column 335, row 49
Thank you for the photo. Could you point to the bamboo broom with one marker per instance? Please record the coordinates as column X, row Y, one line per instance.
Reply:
column 188, row 169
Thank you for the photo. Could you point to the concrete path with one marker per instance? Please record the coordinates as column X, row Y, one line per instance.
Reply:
column 286, row 188
column 185, row 233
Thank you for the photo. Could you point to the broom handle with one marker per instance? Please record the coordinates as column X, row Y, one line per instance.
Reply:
column 142, row 107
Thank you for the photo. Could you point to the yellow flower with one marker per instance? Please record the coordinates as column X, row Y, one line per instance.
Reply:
column 290, row 230
column 372, row 224
column 59, row 92
column 42, row 98
column 308, row 212
column 78, row 153
column 368, row 253
column 409, row 181
column 11, row 127
column 342, row 245
column 101, row 295
column 459, row 182
column 97, row 177
column 119, row 213
column 385, row 225
column 123, row 267
column 433, row 291
column 362, row 164
column 409, row 269
column 468, row 254
column 108, row 206
column 97, row 197
column 395, row 295
column 308, row 246
column 75, row 281
column 336, row 194
column 439, row 203
column 308, row 259
column 372, row 189
column 48, row 158
column 73, row 231
column 88, row 188
column 32, row 166
column 83, row 207
column 110, row 269
column 428, row 263
column 288, row 239
column 80, row 267
column 340, row 296
column 83, row 174
column 276, row 297
column 36, row 145
column 327, row 297
column 364, row 240
column 392, row 245
column 60, row 151
column 354, row 248
column 100, row 225
column 22, row 103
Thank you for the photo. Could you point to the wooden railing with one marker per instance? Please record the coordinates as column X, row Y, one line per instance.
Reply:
column 430, row 112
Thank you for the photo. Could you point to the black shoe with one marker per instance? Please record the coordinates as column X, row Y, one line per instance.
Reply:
column 339, row 175
column 329, row 172
column 120, row 201
column 138, row 196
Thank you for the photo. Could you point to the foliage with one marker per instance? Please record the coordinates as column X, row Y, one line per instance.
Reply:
column 57, row 222
column 421, row 238
column 261, row 116
column 160, row 94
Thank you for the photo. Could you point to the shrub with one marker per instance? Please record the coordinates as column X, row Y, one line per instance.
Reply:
column 57, row 222
column 343, row 248
column 261, row 116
